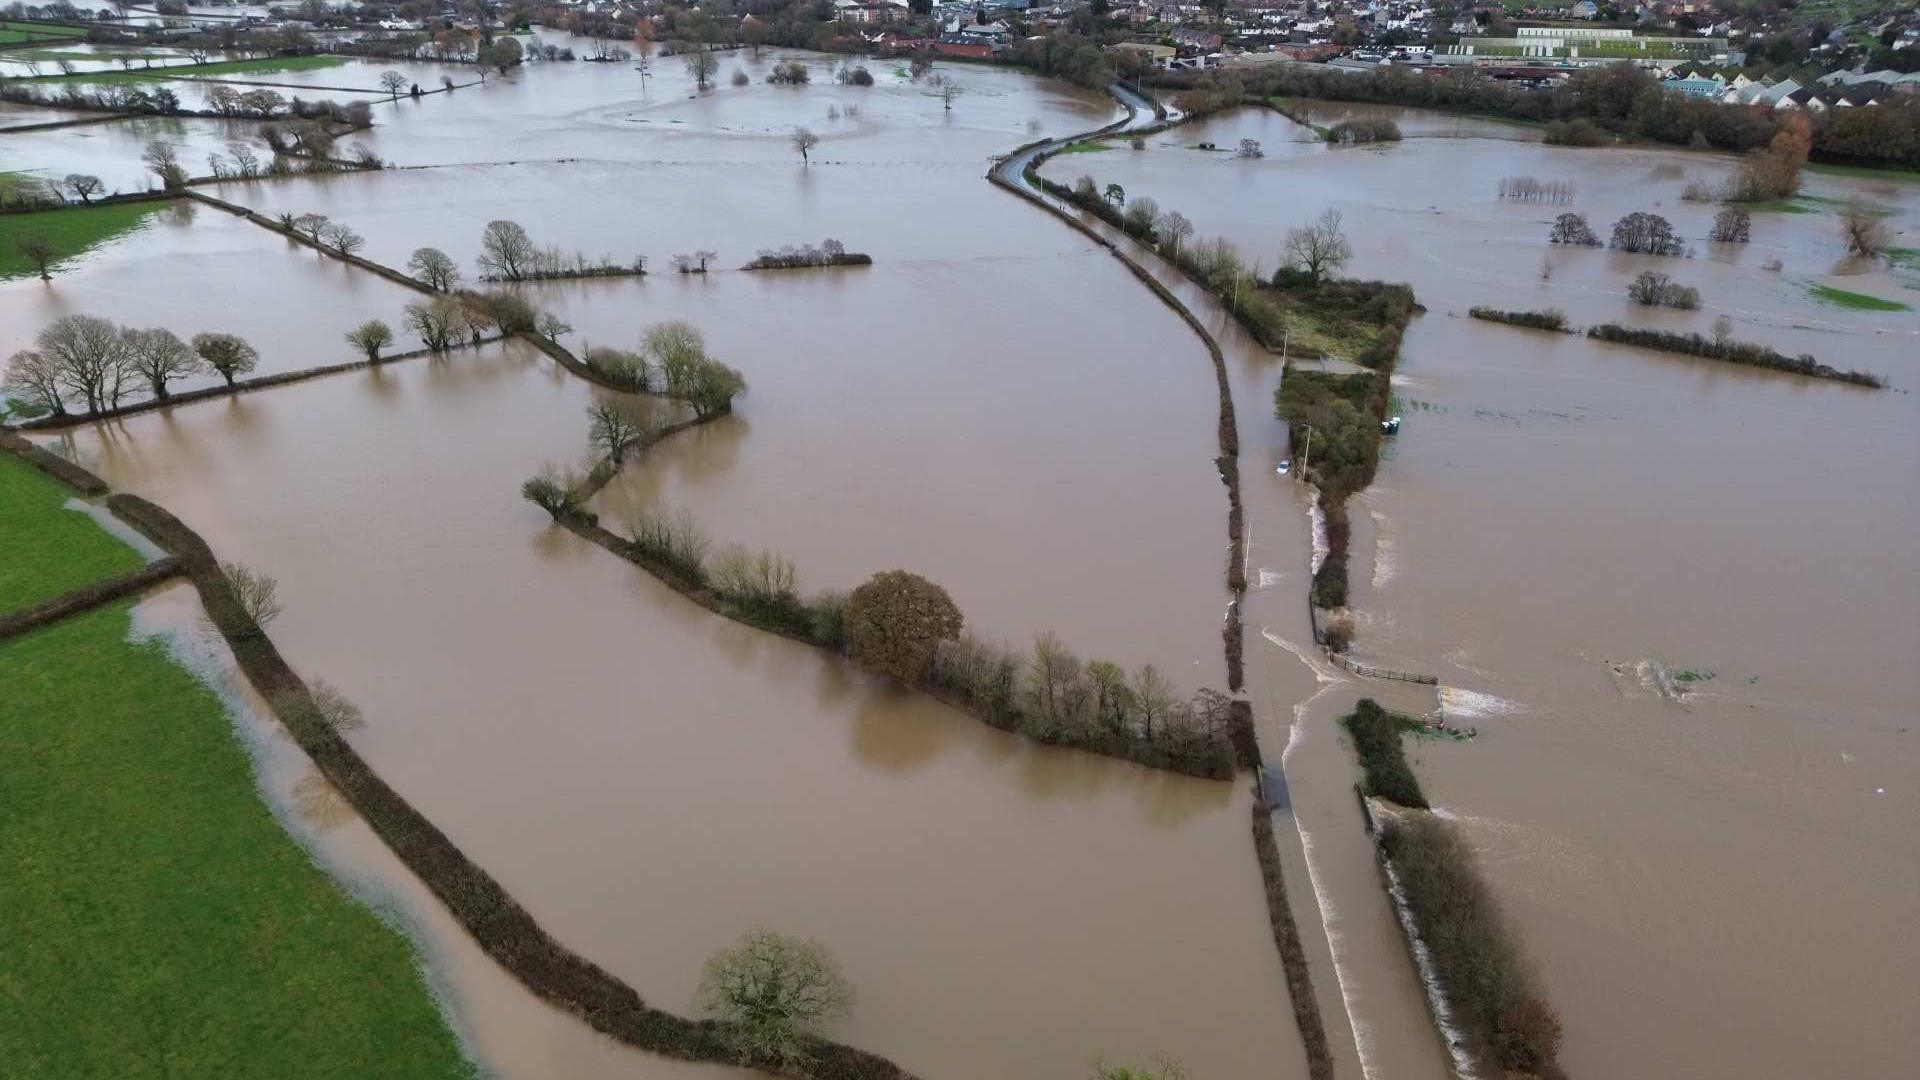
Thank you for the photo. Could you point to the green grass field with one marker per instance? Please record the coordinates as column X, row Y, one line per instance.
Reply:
column 13, row 33
column 1905, row 258
column 46, row 549
column 1863, row 172
column 155, row 919
column 73, row 232
column 264, row 66
column 1827, row 294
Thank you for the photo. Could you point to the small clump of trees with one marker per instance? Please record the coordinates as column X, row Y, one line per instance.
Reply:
column 1866, row 235
column 95, row 364
column 508, row 253
column 1645, row 234
column 1732, row 225
column 1529, row 189
column 1366, row 129
column 1573, row 231
column 1721, row 346
column 1548, row 319
column 830, row 252
column 789, row 73
column 1658, row 290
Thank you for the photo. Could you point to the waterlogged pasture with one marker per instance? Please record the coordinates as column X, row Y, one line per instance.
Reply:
column 1562, row 525
column 706, row 777
column 192, row 269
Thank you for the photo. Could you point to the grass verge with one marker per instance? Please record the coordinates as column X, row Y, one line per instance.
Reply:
column 1827, row 294
column 263, row 66
column 155, row 920
column 72, row 232
column 46, row 549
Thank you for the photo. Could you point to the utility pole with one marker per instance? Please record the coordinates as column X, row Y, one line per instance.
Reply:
column 1308, row 455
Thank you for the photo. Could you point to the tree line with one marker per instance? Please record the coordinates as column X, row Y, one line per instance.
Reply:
column 93, row 364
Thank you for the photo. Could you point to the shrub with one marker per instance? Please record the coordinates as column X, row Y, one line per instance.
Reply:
column 1572, row 230
column 1547, row 319
column 1733, row 352
column 1658, row 290
column 789, row 73
column 554, row 490
column 1364, row 130
column 1577, row 132
column 827, row 612
column 896, row 620
column 670, row 536
column 1645, row 234
column 1383, row 761
column 1696, row 191
column 1731, row 226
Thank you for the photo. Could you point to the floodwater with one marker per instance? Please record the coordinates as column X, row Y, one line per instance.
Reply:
column 1674, row 597
column 192, row 268
column 651, row 780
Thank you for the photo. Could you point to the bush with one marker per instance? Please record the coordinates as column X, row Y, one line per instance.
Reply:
column 1364, row 130
column 1383, row 761
column 896, row 620
column 555, row 491
column 1731, row 226
column 789, row 73
column 1658, row 290
column 1577, row 132
column 1733, row 352
column 775, row 993
column 672, row 537
column 1547, row 319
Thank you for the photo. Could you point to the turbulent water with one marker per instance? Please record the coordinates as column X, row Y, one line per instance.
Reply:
column 1675, row 597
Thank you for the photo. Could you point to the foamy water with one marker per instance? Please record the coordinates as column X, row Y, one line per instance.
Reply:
column 1457, row 703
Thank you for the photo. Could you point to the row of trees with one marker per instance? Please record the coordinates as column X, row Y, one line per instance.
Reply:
column 94, row 364
column 508, row 253
column 672, row 360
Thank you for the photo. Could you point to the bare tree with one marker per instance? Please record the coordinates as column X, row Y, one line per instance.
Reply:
column 775, row 992
column 84, row 185
column 159, row 356
column 804, row 141
column 702, row 64
column 437, row 321
column 1731, row 226
column 1722, row 330
column 257, row 593
column 164, row 161
column 611, row 431
column 1319, row 248
column 506, row 251
column 1573, row 230
column 34, row 378
column 1865, row 233
column 370, row 337
column 89, row 353
column 343, row 239
column 552, row 326
column 948, row 92
column 434, row 267
column 393, row 82
column 312, row 224
column 38, row 251
column 1175, row 227
column 228, row 354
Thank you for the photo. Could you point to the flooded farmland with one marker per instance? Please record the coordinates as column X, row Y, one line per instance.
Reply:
column 1674, row 597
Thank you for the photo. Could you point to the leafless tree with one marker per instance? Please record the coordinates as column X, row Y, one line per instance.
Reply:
column 506, row 251
column 775, row 992
column 612, row 431
column 228, row 354
column 370, row 337
column 702, row 64
column 342, row 239
column 34, row 378
column 804, row 141
column 948, row 92
column 38, row 251
column 1865, row 233
column 257, row 593
column 159, row 356
column 89, row 353
column 84, row 185
column 1174, row 227
column 434, row 267
column 1320, row 247
column 393, row 82
column 164, row 161
column 437, row 321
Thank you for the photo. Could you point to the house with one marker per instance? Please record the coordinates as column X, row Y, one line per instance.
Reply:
column 1155, row 55
column 1695, row 87
column 1192, row 41
column 1585, row 9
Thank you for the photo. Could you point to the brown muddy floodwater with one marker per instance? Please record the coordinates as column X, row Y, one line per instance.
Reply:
column 1676, row 598
column 651, row 780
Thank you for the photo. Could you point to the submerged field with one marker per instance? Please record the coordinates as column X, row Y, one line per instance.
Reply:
column 1564, row 528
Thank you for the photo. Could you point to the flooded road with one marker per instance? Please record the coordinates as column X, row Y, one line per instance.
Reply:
column 1673, row 596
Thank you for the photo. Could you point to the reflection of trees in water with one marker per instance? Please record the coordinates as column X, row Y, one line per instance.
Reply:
column 320, row 803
